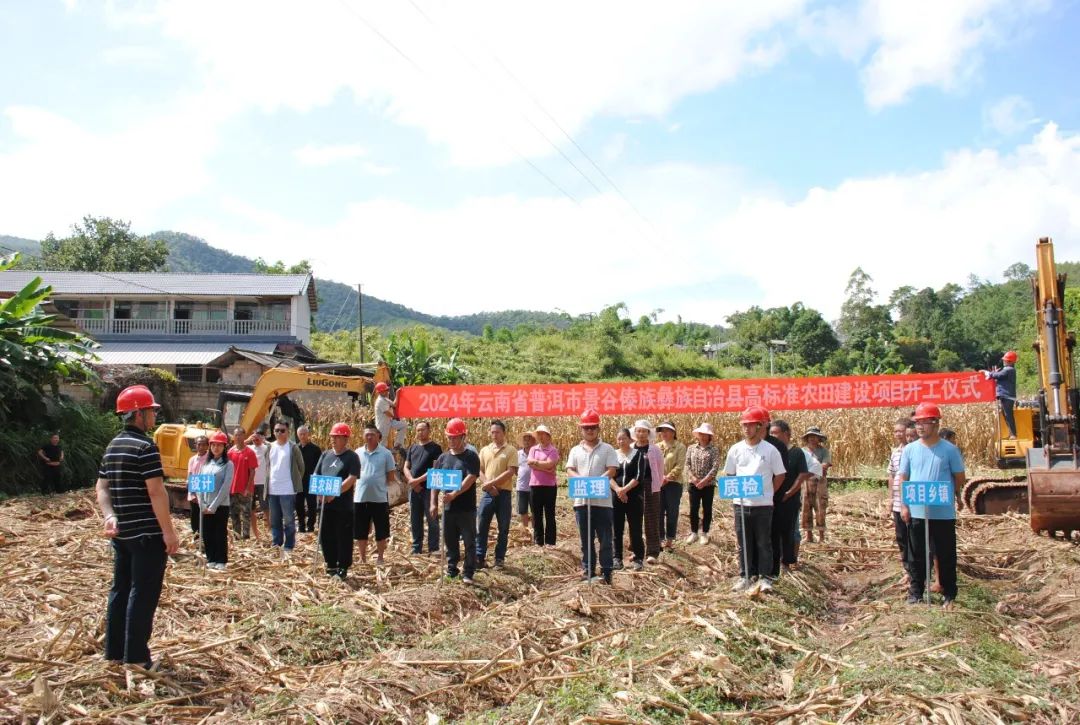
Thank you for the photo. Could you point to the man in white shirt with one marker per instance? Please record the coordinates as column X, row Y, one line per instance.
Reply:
column 257, row 443
column 285, row 475
column 755, row 456
column 386, row 419
column 594, row 459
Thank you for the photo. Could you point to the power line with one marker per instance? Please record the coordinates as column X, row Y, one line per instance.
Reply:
column 348, row 297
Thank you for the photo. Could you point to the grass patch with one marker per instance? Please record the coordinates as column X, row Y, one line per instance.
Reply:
column 974, row 596
column 324, row 633
column 578, row 697
column 859, row 484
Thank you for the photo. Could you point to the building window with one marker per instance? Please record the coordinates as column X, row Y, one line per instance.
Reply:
column 213, row 375
column 189, row 373
column 200, row 311
column 82, row 309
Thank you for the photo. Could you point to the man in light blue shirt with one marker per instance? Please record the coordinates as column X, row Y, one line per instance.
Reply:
column 932, row 459
column 370, row 503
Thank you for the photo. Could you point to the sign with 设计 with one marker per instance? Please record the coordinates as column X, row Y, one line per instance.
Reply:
column 200, row 483
column 928, row 493
column 443, row 479
column 589, row 487
column 693, row 396
column 732, row 487
column 325, row 486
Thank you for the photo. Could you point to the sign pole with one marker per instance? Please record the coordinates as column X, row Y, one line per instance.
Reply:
column 745, row 551
column 588, row 536
column 202, row 530
column 318, row 534
column 929, row 559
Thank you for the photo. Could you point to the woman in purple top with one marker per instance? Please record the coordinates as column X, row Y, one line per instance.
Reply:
column 524, row 477
column 542, row 461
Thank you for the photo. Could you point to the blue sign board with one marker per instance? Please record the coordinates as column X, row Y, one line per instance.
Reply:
column 200, row 483
column 731, row 487
column 443, row 479
column 325, row 486
column 589, row 487
column 928, row 493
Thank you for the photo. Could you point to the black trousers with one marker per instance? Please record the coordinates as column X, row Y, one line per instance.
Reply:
column 193, row 512
column 1007, row 405
column 543, row 514
column 138, row 574
column 336, row 535
column 307, row 510
column 216, row 535
column 670, row 498
column 652, row 522
column 701, row 498
column 51, row 479
column 901, row 530
column 460, row 528
column 943, row 544
column 633, row 513
column 755, row 544
column 783, row 533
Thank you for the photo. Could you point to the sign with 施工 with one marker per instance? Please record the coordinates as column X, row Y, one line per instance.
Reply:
column 928, row 493
column 589, row 487
column 443, row 479
column 325, row 486
column 732, row 487
column 200, row 483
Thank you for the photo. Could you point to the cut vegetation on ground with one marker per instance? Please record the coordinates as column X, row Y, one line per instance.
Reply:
column 271, row 640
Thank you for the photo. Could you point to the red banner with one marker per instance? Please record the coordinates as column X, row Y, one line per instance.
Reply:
column 692, row 396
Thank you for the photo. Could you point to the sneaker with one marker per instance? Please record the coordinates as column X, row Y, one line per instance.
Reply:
column 637, row 565
column 650, row 559
column 948, row 603
column 500, row 564
column 741, row 585
column 586, row 578
column 616, row 564
column 466, row 579
column 913, row 599
column 765, row 585
column 703, row 538
column 692, row 537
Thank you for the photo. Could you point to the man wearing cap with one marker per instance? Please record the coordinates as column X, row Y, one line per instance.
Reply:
column 754, row 456
column 386, row 419
column 816, row 501
column 131, row 494
column 644, row 446
column 542, row 462
column 932, row 459
column 421, row 456
column 336, row 528
column 702, row 465
column 674, row 452
column 1005, row 390
column 594, row 458
column 786, row 500
column 459, row 507
column 498, row 472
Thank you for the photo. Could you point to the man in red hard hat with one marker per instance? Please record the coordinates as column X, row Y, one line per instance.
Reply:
column 336, row 529
column 459, row 507
column 594, row 458
column 386, row 419
column 131, row 494
column 755, row 456
column 1005, row 390
column 932, row 459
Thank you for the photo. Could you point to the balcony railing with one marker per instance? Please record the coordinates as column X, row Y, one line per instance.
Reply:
column 183, row 327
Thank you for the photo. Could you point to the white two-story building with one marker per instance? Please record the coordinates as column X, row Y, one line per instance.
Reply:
column 182, row 322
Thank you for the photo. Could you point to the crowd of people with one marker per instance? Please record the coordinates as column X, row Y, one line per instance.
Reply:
column 638, row 511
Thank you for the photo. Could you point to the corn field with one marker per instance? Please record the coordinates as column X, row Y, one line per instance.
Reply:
column 859, row 439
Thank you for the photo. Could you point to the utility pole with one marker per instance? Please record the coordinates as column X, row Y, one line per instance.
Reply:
column 360, row 317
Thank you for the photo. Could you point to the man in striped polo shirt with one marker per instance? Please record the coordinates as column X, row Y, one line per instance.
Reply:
column 131, row 494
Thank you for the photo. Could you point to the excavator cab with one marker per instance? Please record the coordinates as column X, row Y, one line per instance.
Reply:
column 1012, row 452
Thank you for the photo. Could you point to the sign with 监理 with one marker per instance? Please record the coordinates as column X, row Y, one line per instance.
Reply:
column 443, row 479
column 731, row 487
column 928, row 493
column 200, row 483
column 325, row 486
column 589, row 487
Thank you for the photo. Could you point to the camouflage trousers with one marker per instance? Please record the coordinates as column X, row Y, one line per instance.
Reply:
column 240, row 514
column 815, row 503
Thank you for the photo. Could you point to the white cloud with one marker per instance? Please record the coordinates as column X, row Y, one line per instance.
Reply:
column 903, row 45
column 1010, row 115
column 377, row 169
column 324, row 155
column 615, row 147
column 132, row 55
column 977, row 213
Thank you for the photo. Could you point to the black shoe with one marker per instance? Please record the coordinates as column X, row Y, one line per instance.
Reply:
column 617, row 564
column 607, row 578
column 500, row 563
column 913, row 599
column 481, row 564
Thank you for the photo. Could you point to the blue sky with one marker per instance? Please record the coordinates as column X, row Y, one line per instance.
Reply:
column 737, row 153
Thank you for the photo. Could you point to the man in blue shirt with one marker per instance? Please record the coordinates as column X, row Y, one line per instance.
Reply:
column 931, row 459
column 1005, row 389
column 370, row 503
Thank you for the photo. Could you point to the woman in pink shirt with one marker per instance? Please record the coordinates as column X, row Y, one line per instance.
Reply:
column 543, row 460
column 194, row 464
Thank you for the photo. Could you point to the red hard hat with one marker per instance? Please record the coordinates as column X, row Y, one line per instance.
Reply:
column 755, row 414
column 341, row 429
column 135, row 397
column 589, row 417
column 456, row 427
column 381, row 387
column 219, row 437
column 1009, row 357
column 924, row 411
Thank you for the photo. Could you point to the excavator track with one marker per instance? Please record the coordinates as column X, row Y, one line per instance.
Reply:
column 996, row 495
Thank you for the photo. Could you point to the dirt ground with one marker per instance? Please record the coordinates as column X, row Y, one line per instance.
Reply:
column 273, row 641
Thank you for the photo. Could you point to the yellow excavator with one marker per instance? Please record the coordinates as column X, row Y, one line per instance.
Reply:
column 1047, row 428
column 269, row 398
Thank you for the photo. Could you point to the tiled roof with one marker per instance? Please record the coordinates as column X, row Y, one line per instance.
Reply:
column 132, row 284
column 169, row 353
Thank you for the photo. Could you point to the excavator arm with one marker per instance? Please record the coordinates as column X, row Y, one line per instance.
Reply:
column 281, row 381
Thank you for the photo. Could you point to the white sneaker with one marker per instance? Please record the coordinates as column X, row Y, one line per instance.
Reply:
column 703, row 538
column 741, row 585
column 650, row 559
column 691, row 538
column 764, row 585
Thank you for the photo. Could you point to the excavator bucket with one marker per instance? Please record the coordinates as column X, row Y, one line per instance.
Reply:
column 1053, row 493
